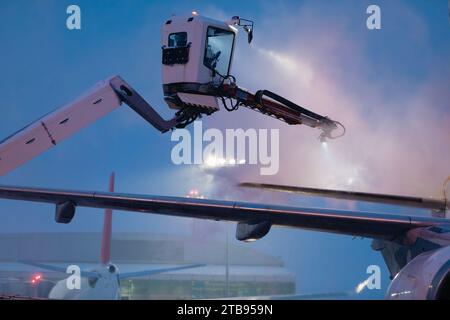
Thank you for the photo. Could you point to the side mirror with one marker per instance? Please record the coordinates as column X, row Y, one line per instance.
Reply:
column 247, row 25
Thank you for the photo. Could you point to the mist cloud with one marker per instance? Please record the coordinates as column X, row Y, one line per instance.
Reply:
column 398, row 124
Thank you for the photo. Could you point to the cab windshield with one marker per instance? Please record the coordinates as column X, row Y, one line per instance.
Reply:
column 218, row 50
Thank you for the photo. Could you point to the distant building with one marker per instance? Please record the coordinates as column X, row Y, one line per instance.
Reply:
column 250, row 272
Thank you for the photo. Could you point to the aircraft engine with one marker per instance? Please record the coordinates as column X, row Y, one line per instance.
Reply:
column 427, row 276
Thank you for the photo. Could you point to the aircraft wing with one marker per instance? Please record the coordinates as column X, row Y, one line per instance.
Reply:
column 87, row 274
column 355, row 223
column 408, row 201
column 145, row 273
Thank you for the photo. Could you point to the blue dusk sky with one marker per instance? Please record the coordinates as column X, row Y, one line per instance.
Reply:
column 390, row 88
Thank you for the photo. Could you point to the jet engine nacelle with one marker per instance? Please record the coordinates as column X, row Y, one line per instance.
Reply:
column 427, row 276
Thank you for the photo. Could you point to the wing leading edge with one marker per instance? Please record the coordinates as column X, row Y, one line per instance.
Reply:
column 355, row 223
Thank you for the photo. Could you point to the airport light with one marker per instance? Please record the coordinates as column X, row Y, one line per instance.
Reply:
column 36, row 279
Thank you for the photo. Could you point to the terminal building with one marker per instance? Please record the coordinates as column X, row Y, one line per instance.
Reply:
column 228, row 271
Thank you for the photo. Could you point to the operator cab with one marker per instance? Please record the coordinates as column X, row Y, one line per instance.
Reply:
column 197, row 54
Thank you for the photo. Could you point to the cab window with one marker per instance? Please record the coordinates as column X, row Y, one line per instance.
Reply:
column 218, row 50
column 178, row 39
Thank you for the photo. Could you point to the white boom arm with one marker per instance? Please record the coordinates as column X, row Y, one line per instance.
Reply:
column 54, row 127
